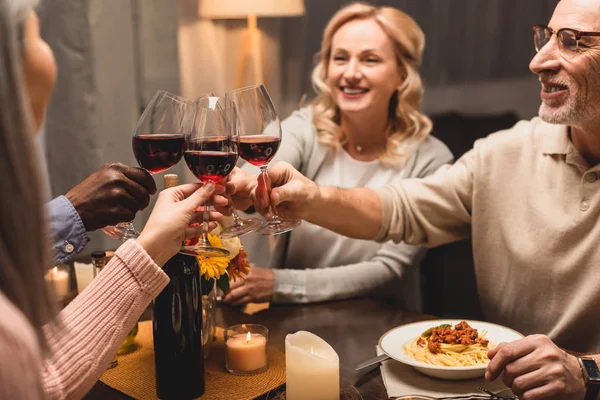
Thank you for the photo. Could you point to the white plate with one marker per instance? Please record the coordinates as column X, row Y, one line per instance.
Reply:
column 393, row 341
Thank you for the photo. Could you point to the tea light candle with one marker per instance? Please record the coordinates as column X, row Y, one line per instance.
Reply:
column 312, row 368
column 246, row 349
column 59, row 279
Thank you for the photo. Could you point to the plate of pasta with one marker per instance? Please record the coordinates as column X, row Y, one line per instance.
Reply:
column 446, row 349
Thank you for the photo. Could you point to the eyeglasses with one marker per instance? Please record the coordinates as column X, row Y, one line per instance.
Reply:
column 568, row 39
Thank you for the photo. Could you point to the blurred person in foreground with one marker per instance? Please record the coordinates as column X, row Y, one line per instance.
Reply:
column 530, row 198
column 364, row 129
column 43, row 355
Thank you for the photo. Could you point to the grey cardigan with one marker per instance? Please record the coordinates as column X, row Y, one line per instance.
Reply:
column 392, row 273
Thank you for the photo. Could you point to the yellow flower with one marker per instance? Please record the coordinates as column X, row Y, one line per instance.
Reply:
column 213, row 267
column 215, row 241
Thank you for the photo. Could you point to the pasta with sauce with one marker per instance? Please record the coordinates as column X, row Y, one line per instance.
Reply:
column 457, row 346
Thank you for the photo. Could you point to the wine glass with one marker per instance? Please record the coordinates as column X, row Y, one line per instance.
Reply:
column 239, row 225
column 158, row 142
column 211, row 151
column 260, row 136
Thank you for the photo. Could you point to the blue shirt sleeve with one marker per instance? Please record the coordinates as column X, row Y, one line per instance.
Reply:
column 67, row 227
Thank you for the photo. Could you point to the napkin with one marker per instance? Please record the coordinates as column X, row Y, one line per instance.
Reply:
column 401, row 380
column 253, row 308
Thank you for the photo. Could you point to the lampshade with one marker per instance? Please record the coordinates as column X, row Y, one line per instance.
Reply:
column 243, row 8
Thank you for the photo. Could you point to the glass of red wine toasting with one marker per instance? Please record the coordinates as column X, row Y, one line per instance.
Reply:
column 239, row 226
column 158, row 142
column 211, row 152
column 260, row 136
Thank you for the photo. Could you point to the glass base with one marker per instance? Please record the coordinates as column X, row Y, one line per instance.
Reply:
column 122, row 231
column 277, row 228
column 203, row 250
column 113, row 363
column 244, row 226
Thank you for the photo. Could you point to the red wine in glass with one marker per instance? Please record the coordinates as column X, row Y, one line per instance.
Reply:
column 216, row 143
column 158, row 152
column 210, row 166
column 258, row 150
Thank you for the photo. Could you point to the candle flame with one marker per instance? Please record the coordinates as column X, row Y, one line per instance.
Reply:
column 248, row 337
column 54, row 271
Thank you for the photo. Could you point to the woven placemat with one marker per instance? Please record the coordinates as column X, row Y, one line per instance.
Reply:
column 134, row 375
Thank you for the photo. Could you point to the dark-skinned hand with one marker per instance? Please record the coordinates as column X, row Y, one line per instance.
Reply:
column 113, row 194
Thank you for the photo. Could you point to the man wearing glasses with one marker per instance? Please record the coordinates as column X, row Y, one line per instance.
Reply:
column 529, row 197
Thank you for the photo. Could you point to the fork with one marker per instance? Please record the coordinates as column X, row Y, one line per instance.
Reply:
column 497, row 396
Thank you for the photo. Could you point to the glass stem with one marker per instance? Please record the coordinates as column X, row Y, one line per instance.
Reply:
column 237, row 221
column 205, row 218
column 267, row 182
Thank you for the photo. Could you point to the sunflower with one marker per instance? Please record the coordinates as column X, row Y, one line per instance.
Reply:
column 213, row 267
column 215, row 241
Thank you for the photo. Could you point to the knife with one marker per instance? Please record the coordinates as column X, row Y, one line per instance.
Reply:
column 371, row 363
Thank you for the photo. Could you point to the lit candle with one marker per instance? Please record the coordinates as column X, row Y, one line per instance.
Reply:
column 59, row 279
column 246, row 349
column 312, row 368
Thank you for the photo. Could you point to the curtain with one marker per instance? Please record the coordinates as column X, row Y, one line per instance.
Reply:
column 112, row 56
column 469, row 43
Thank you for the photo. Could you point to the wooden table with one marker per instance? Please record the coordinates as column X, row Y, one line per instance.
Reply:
column 351, row 327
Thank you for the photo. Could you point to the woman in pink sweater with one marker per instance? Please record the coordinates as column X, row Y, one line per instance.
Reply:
column 43, row 355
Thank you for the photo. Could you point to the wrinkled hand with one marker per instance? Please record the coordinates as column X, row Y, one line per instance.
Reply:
column 169, row 224
column 535, row 368
column 113, row 194
column 240, row 187
column 289, row 190
column 257, row 287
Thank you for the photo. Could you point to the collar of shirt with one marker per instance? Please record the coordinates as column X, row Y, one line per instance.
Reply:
column 557, row 141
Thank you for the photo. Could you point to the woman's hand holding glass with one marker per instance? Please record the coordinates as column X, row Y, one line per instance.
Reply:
column 169, row 224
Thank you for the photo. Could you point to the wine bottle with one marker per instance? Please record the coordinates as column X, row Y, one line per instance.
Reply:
column 177, row 328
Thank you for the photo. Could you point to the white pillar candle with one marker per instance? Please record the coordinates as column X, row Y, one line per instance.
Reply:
column 84, row 273
column 59, row 279
column 312, row 368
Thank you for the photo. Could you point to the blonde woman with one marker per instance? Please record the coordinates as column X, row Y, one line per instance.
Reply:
column 42, row 355
column 364, row 129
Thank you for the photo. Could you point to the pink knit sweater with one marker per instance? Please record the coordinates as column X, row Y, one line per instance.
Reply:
column 93, row 327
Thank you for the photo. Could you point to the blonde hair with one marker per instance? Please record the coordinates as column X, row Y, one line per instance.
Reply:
column 407, row 125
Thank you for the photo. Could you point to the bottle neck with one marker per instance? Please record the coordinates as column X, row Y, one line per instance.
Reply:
column 170, row 180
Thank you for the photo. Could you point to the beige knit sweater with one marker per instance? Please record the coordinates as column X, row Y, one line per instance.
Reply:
column 93, row 327
column 532, row 205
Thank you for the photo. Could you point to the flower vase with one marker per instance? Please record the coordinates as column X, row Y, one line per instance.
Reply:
column 209, row 316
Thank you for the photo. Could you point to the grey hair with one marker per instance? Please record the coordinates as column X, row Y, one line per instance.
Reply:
column 18, row 10
column 24, row 239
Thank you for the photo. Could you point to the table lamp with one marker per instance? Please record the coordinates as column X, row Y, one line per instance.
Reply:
column 250, row 9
